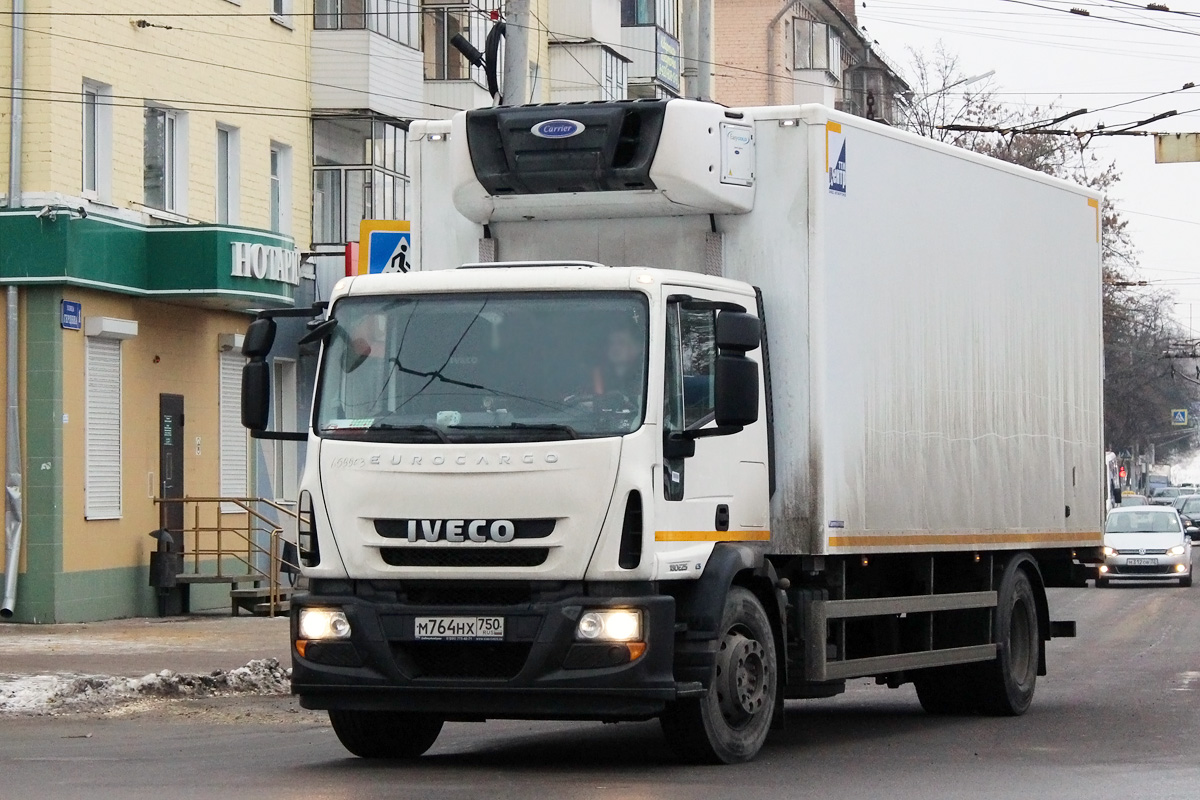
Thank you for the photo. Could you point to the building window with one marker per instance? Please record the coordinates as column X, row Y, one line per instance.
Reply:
column 234, row 457
column 663, row 13
column 285, row 477
column 281, row 186
column 281, row 12
column 228, row 174
column 102, row 479
column 615, row 71
column 440, row 22
column 395, row 19
column 358, row 173
column 97, row 141
column 165, row 159
column 816, row 46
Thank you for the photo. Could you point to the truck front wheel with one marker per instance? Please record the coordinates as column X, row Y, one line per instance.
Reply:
column 385, row 734
column 729, row 724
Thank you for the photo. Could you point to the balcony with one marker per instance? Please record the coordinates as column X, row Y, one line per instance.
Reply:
column 366, row 55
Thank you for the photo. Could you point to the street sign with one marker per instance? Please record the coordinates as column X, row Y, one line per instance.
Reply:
column 72, row 315
column 1179, row 416
column 1176, row 148
column 384, row 246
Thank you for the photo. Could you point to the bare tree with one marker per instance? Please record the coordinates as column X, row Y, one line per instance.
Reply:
column 1140, row 387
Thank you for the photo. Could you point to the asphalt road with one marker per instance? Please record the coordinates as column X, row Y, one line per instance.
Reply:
column 1118, row 717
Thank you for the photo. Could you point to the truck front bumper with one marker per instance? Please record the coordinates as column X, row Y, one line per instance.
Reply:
column 539, row 671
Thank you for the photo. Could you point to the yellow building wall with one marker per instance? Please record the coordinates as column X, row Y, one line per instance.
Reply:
column 175, row 352
column 245, row 70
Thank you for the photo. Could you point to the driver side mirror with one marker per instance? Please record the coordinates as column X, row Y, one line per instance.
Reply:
column 1193, row 533
column 735, row 401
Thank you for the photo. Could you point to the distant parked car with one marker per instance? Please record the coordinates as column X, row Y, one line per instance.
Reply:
column 1134, row 500
column 1145, row 544
column 1164, row 496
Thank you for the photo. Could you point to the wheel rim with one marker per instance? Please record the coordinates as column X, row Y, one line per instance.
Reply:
column 1020, row 649
column 743, row 675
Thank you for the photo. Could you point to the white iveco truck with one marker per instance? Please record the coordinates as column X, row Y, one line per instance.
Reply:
column 684, row 411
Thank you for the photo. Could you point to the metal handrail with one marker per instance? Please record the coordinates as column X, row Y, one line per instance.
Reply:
column 244, row 548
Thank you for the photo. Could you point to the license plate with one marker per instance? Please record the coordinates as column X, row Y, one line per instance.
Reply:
column 1142, row 562
column 459, row 628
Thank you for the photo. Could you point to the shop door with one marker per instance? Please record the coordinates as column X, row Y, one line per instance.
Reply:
column 170, row 471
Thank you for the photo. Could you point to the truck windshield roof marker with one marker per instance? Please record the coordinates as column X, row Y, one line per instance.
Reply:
column 739, row 417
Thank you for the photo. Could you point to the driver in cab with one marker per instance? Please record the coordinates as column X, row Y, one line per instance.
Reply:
column 616, row 382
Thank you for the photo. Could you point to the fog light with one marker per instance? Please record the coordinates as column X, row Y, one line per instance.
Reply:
column 618, row 625
column 323, row 623
column 1181, row 568
column 1104, row 568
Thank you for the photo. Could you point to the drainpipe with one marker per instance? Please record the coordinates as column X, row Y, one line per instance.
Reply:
column 788, row 5
column 12, row 505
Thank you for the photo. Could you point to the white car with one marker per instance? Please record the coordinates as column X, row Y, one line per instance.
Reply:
column 1147, row 543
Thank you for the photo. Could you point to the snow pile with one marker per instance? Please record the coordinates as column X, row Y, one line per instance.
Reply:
column 47, row 693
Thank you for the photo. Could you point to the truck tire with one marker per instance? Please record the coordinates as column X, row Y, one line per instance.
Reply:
column 1005, row 686
column 946, row 691
column 385, row 734
column 729, row 724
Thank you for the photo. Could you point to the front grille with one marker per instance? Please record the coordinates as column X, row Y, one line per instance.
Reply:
column 451, row 594
column 1140, row 552
column 497, row 557
column 522, row 528
column 480, row 660
column 1127, row 569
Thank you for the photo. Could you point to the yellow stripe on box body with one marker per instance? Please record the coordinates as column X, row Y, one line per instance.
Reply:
column 918, row 539
column 712, row 536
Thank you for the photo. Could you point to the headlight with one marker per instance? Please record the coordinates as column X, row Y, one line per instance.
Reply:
column 323, row 623
column 1108, row 551
column 1177, row 550
column 617, row 625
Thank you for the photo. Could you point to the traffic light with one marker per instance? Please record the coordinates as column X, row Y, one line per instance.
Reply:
column 1122, row 473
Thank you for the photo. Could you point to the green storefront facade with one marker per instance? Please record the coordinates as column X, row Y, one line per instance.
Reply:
column 115, row 315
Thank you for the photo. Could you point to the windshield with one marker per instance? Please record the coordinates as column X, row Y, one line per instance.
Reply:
column 497, row 367
column 1142, row 522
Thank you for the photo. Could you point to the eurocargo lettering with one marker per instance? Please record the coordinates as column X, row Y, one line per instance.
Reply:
column 725, row 428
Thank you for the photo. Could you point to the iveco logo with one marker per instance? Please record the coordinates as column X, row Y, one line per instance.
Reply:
column 460, row 530
column 557, row 129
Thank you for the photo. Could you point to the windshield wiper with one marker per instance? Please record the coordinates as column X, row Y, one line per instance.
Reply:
column 556, row 427
column 418, row 428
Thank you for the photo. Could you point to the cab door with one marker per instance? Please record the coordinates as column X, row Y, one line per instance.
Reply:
column 719, row 492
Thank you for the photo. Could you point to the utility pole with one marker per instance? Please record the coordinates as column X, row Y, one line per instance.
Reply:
column 515, row 86
column 704, row 50
column 689, row 35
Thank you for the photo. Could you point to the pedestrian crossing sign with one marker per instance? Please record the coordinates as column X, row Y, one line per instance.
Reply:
column 385, row 245
column 1179, row 416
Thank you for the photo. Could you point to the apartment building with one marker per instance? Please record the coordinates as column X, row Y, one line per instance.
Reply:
column 161, row 187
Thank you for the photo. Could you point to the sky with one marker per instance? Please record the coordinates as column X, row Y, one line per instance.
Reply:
column 1043, row 54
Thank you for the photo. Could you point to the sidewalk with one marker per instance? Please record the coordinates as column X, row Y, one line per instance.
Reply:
column 137, row 647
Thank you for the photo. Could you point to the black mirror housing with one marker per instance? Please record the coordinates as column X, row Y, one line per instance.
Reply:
column 256, row 393
column 738, row 332
column 260, row 337
column 736, row 400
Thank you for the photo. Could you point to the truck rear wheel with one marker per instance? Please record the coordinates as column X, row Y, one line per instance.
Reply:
column 1005, row 687
column 385, row 734
column 729, row 724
